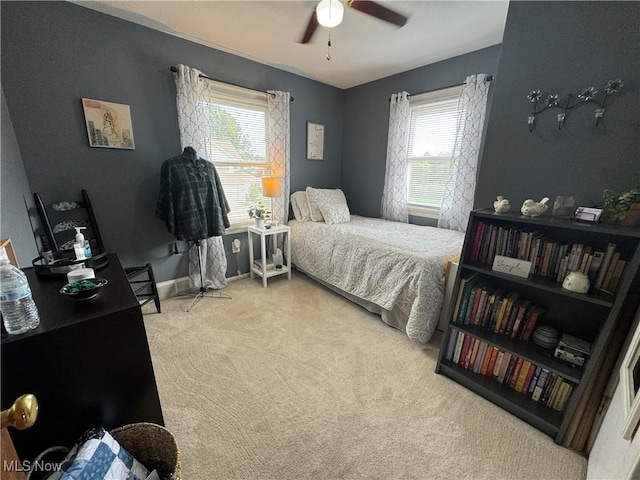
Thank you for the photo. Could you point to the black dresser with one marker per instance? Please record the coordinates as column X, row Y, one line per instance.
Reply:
column 88, row 363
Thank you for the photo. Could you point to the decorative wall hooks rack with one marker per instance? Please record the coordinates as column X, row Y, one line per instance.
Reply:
column 585, row 96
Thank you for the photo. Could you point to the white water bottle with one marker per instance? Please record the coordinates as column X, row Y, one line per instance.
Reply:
column 19, row 311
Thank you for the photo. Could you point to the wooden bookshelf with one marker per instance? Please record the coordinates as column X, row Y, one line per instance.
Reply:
column 590, row 317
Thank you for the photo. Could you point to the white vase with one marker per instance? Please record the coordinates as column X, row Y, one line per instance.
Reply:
column 259, row 222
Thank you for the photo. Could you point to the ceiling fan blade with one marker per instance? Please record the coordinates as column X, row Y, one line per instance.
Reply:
column 311, row 28
column 376, row 10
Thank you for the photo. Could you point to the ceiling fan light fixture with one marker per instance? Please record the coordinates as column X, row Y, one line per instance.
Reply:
column 330, row 13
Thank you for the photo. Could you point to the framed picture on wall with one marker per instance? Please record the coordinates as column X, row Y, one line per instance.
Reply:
column 315, row 141
column 108, row 124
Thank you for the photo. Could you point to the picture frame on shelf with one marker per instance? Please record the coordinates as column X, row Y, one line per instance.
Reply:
column 630, row 382
column 315, row 141
column 6, row 251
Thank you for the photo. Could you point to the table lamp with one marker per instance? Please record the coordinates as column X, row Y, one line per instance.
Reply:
column 272, row 188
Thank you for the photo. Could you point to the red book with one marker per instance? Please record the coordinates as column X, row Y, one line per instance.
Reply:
column 463, row 353
column 517, row 324
column 535, row 313
column 527, row 381
column 511, row 298
column 480, row 292
column 546, row 257
column 492, row 361
column 477, row 241
column 516, row 373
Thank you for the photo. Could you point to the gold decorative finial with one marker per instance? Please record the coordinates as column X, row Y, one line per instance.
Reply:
column 22, row 414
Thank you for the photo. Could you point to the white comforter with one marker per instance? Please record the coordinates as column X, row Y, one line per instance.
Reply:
column 386, row 263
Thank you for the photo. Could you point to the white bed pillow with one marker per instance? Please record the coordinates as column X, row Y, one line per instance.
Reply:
column 323, row 196
column 335, row 213
column 300, row 206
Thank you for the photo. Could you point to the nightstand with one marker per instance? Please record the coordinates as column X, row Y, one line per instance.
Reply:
column 261, row 267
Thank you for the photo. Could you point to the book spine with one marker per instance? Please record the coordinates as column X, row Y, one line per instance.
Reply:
column 522, row 376
column 492, row 361
column 539, row 388
column 504, row 365
column 482, row 350
column 529, row 378
column 462, row 359
column 498, row 364
column 606, row 260
column 516, row 373
column 487, row 359
column 451, row 344
column 534, row 381
column 458, row 349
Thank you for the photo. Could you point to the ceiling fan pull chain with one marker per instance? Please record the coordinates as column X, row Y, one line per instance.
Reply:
column 329, row 46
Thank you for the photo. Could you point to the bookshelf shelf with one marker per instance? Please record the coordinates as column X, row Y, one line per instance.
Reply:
column 488, row 347
column 541, row 417
column 596, row 297
column 527, row 350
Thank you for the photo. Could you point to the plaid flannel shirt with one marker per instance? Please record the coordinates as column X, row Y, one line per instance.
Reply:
column 191, row 201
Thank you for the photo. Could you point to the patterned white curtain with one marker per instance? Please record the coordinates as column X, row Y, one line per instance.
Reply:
column 394, row 195
column 194, row 124
column 278, row 148
column 457, row 202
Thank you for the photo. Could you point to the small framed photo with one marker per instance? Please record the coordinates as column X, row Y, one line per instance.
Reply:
column 6, row 251
column 586, row 214
column 315, row 141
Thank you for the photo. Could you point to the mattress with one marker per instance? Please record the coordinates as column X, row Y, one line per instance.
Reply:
column 394, row 269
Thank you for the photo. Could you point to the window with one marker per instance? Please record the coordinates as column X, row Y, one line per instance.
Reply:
column 237, row 145
column 432, row 135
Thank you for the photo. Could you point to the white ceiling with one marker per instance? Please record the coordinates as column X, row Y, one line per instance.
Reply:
column 363, row 49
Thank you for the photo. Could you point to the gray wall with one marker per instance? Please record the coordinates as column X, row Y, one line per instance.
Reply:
column 562, row 47
column 367, row 122
column 55, row 53
column 15, row 195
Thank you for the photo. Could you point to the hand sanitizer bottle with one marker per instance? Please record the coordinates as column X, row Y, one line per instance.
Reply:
column 81, row 246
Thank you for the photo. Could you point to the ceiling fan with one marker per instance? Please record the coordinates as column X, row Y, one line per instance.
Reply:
column 329, row 13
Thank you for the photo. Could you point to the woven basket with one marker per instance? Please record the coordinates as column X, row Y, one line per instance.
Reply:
column 153, row 446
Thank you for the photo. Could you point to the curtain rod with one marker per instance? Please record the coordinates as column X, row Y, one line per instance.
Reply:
column 174, row 69
column 488, row 78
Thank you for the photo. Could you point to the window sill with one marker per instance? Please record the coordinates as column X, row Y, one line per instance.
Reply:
column 237, row 228
column 425, row 212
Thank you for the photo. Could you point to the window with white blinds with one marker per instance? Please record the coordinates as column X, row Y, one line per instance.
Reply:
column 237, row 145
column 432, row 136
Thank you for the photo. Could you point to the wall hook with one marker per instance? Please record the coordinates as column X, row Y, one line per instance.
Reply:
column 586, row 95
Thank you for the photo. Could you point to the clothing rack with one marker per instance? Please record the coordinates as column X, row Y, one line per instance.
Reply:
column 203, row 291
column 488, row 78
column 174, row 69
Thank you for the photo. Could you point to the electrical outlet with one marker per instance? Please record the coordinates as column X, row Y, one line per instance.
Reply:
column 235, row 246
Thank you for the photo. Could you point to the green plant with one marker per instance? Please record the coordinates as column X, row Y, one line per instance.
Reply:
column 258, row 210
column 616, row 205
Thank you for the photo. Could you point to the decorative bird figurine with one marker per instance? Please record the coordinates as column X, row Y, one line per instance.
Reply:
column 501, row 205
column 531, row 208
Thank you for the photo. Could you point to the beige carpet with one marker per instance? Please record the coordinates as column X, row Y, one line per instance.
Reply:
column 295, row 382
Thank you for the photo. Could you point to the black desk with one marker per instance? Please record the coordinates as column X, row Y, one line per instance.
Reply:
column 88, row 363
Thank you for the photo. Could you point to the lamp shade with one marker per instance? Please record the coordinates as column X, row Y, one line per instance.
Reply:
column 329, row 13
column 271, row 186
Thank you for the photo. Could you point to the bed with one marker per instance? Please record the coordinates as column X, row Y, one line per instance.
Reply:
column 396, row 270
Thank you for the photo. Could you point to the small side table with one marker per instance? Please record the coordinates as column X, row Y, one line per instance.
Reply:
column 261, row 269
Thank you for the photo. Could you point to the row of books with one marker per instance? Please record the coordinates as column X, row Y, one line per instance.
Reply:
column 535, row 382
column 482, row 304
column 549, row 258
